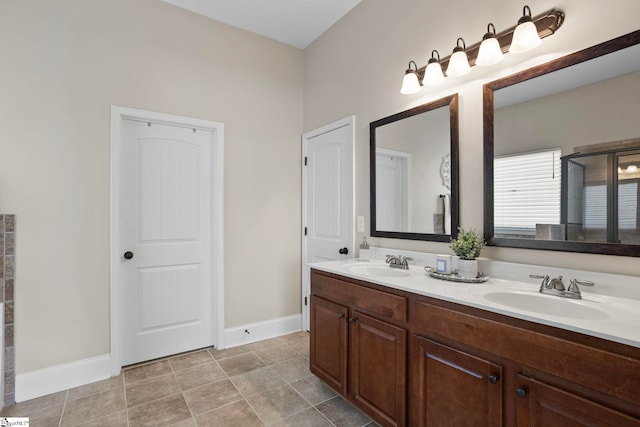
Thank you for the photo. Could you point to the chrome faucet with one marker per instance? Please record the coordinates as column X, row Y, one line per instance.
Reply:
column 556, row 287
column 401, row 262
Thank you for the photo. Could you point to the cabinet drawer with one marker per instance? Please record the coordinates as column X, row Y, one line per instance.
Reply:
column 383, row 304
column 573, row 361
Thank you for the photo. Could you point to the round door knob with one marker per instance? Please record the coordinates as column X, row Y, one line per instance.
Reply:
column 343, row 251
column 341, row 316
column 352, row 319
column 128, row 255
column 522, row 392
column 494, row 378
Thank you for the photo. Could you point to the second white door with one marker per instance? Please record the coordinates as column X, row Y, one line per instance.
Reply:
column 165, row 233
column 328, row 211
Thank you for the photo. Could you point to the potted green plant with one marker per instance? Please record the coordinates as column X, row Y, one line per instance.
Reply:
column 467, row 246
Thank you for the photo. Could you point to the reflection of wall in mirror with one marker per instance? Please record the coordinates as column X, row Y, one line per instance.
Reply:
column 593, row 114
column 427, row 137
column 596, row 113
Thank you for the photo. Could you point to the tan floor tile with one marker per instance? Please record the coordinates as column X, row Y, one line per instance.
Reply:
column 314, row 390
column 307, row 418
column 239, row 364
column 259, row 345
column 119, row 419
column 211, row 396
column 93, row 407
column 97, row 387
column 277, row 403
column 257, row 381
column 342, row 413
column 46, row 417
column 229, row 352
column 199, row 375
column 152, row 389
column 295, row 336
column 276, row 353
column 293, row 370
column 301, row 345
column 23, row 409
column 233, row 415
column 190, row 360
column 144, row 372
column 167, row 411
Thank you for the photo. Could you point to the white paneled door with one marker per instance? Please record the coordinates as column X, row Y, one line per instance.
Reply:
column 166, row 240
column 328, row 211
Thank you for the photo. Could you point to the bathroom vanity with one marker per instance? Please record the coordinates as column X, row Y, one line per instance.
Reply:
column 408, row 349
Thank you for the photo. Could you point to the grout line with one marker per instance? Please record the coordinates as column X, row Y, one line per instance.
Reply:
column 64, row 406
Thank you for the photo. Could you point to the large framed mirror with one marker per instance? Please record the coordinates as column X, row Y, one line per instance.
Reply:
column 562, row 153
column 414, row 172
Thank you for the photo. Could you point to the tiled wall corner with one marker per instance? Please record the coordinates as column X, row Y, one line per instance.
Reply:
column 7, row 283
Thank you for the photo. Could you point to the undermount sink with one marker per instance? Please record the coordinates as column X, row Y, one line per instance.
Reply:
column 546, row 304
column 379, row 270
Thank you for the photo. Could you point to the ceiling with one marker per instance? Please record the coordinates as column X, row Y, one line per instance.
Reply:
column 294, row 22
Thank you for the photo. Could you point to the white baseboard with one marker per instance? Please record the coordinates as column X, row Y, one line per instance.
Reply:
column 259, row 331
column 58, row 378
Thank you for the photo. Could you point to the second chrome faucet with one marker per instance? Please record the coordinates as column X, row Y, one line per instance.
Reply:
column 556, row 287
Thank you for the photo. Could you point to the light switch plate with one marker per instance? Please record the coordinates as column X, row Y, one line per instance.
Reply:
column 360, row 224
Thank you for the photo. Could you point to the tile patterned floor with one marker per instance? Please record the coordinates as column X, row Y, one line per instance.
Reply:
column 264, row 383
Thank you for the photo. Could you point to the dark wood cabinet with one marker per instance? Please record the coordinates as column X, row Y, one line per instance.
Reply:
column 454, row 388
column 407, row 359
column 359, row 346
column 328, row 344
column 542, row 405
column 377, row 367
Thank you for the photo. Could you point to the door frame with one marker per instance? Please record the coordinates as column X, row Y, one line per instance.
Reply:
column 306, row 285
column 217, row 220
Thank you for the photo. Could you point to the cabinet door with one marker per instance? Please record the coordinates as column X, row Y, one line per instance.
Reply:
column 453, row 388
column 378, row 368
column 542, row 405
column 328, row 346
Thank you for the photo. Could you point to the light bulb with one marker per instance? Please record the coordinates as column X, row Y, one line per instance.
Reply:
column 525, row 37
column 490, row 51
column 458, row 63
column 433, row 73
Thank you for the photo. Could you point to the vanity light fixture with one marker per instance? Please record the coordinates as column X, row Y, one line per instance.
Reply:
column 525, row 36
column 459, row 63
column 490, row 51
column 433, row 73
column 497, row 45
column 632, row 169
column 410, row 83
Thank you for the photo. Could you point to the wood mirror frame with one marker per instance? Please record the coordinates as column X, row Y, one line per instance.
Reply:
column 596, row 51
column 451, row 102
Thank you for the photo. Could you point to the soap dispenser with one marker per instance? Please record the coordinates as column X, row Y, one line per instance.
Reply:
column 365, row 251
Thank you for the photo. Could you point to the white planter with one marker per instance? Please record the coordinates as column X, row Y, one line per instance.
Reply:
column 468, row 268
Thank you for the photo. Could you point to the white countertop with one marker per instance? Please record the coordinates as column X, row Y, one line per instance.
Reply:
column 603, row 316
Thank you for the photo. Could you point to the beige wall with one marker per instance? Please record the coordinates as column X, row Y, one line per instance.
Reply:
column 357, row 67
column 571, row 119
column 64, row 63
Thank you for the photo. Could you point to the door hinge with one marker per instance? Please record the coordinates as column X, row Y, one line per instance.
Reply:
column 305, row 231
column 305, row 301
column 305, row 160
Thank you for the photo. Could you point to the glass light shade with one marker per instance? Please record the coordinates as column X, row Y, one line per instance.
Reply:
column 525, row 38
column 632, row 169
column 433, row 74
column 410, row 83
column 458, row 64
column 489, row 53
